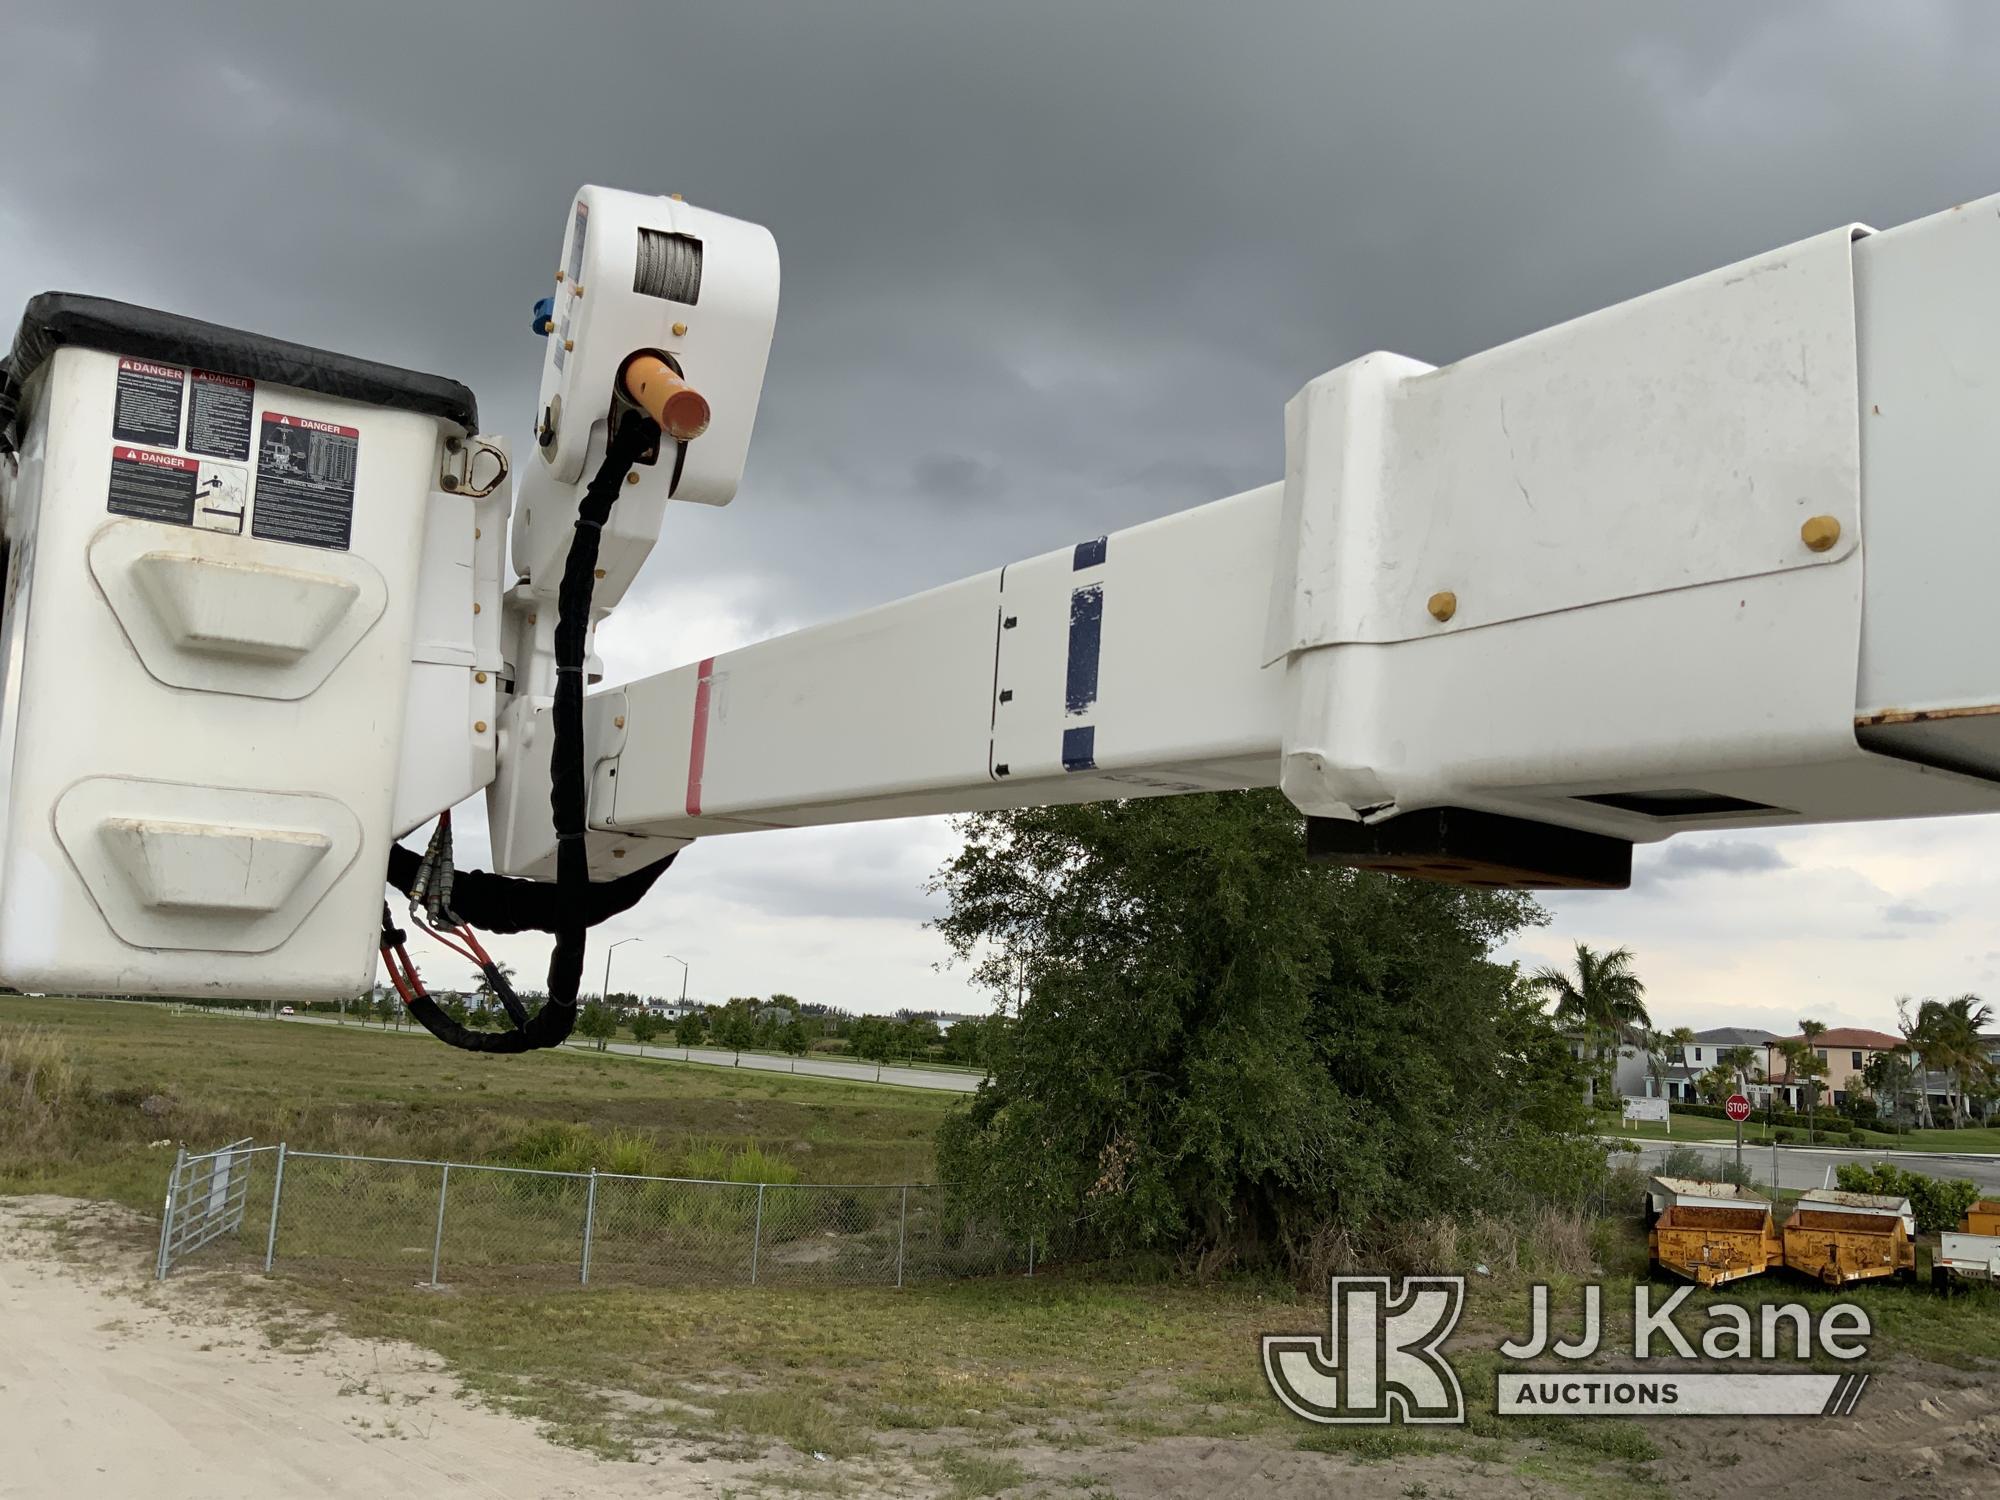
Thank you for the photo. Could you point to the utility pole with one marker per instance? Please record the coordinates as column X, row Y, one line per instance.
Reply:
column 684, row 976
column 607, row 963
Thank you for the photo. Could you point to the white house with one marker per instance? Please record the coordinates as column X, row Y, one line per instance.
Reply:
column 667, row 1010
column 1629, row 1074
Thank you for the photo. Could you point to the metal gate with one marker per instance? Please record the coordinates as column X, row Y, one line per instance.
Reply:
column 206, row 1199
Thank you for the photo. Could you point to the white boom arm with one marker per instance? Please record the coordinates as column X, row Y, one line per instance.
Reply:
column 1716, row 557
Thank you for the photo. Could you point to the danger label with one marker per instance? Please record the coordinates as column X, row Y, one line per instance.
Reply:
column 152, row 486
column 305, row 481
column 219, row 415
column 148, row 405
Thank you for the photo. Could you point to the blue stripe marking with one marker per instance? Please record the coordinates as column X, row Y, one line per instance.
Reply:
column 1080, row 748
column 1086, row 629
column 1088, row 554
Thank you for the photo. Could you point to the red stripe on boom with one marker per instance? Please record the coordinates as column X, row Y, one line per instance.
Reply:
column 698, row 740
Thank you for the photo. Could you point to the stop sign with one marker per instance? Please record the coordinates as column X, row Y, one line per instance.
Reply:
column 1737, row 1108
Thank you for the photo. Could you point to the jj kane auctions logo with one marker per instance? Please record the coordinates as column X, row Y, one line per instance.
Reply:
column 1381, row 1359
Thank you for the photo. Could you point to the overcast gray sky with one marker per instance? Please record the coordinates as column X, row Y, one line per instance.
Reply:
column 1009, row 231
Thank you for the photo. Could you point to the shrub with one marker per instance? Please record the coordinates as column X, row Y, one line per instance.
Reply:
column 1860, row 1108
column 1699, row 1111
column 1684, row 1161
column 714, row 1162
column 1940, row 1202
column 578, row 1148
column 1786, row 1137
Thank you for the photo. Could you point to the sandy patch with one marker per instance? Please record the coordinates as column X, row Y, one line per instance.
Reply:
column 112, row 1386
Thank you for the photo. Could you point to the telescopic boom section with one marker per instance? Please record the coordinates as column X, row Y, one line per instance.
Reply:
column 1500, row 621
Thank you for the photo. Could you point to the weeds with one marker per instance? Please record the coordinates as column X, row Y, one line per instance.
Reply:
column 86, row 1088
column 40, row 1086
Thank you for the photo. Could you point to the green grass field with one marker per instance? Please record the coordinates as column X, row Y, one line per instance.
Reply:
column 1975, row 1141
column 206, row 1079
column 971, row 1386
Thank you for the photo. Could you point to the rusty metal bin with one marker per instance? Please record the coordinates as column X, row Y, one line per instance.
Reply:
column 1709, row 1245
column 1837, row 1248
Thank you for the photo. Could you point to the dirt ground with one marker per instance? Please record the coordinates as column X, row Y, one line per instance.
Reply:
column 111, row 1384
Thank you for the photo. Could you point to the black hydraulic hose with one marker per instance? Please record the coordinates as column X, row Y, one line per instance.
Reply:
column 504, row 993
column 571, row 906
column 506, row 903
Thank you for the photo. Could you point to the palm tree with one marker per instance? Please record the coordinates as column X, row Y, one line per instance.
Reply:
column 1812, row 1067
column 489, row 999
column 1739, row 1061
column 1947, row 1038
column 1802, row 1067
column 1603, row 999
column 1666, row 1048
column 1917, row 1045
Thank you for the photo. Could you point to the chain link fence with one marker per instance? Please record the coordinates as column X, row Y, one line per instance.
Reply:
column 461, row 1223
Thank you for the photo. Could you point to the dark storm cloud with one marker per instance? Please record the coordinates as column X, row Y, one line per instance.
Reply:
column 1081, row 254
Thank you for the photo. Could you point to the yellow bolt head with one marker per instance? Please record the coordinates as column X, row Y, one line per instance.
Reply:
column 680, row 330
column 479, row 726
column 1443, row 606
column 1820, row 533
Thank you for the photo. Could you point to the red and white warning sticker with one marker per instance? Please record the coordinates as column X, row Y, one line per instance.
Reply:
column 147, row 408
column 305, row 481
column 219, row 415
column 150, row 486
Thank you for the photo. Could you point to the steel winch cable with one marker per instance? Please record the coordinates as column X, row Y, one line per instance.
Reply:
column 455, row 900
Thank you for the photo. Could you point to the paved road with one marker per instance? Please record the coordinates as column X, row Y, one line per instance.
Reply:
column 805, row 1067
column 1808, row 1166
column 762, row 1062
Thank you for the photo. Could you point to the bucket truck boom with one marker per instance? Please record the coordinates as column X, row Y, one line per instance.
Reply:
column 1716, row 557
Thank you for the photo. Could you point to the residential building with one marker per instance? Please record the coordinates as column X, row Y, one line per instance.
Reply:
column 1629, row 1072
column 1687, row 1065
column 1846, row 1051
column 667, row 1010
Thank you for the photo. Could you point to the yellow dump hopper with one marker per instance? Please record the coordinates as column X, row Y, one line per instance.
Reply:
column 1838, row 1247
column 1710, row 1245
column 1982, row 1218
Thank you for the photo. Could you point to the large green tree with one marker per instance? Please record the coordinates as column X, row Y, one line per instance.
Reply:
column 1219, row 1047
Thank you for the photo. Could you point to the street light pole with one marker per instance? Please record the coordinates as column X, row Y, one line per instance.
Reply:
column 684, row 975
column 607, row 963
